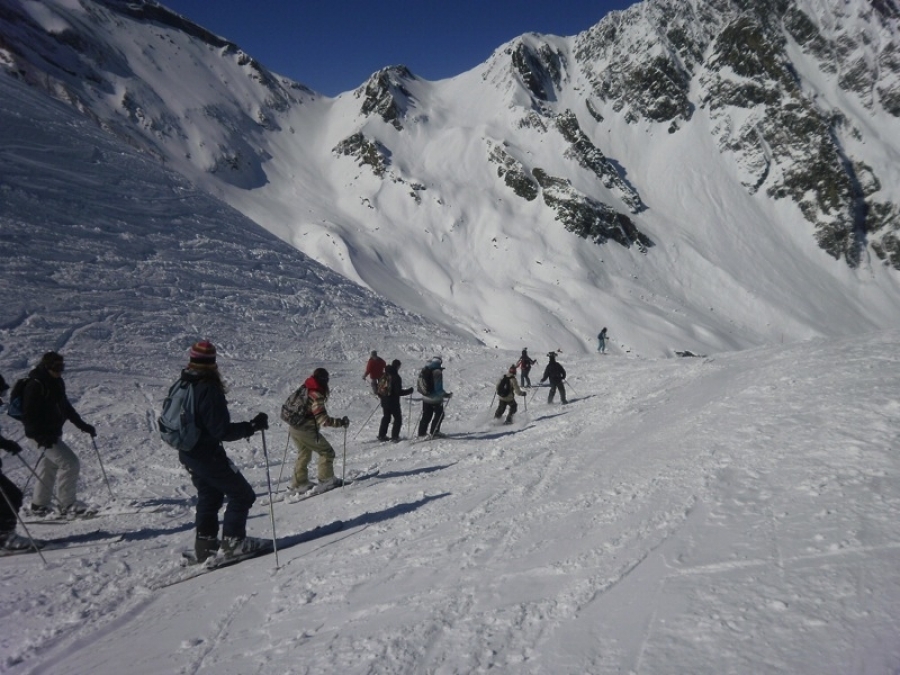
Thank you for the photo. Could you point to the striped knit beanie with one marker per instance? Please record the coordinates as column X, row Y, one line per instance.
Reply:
column 203, row 355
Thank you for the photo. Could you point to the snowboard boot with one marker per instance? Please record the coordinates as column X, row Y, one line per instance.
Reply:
column 204, row 547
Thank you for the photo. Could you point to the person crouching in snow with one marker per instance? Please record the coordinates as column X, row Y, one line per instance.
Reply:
column 507, row 390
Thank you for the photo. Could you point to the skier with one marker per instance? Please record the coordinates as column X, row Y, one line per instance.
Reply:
column 374, row 369
column 45, row 409
column 212, row 472
column 390, row 404
column 10, row 499
column 309, row 440
column 431, row 386
column 507, row 390
column 524, row 364
column 556, row 374
column 601, row 341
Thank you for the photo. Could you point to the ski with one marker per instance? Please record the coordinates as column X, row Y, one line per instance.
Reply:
column 293, row 498
column 190, row 568
column 63, row 544
column 57, row 518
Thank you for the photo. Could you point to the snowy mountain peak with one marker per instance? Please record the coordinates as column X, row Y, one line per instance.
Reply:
column 631, row 172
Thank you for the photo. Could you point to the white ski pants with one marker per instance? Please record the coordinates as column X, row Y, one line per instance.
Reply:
column 58, row 462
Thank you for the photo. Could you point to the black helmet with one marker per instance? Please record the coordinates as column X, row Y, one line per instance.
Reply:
column 320, row 375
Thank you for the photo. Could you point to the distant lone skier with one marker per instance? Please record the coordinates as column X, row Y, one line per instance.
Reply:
column 556, row 374
column 601, row 341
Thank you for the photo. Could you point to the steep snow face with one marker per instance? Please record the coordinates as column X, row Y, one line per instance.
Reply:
column 635, row 176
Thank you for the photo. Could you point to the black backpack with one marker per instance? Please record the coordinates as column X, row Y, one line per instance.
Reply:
column 504, row 386
column 17, row 398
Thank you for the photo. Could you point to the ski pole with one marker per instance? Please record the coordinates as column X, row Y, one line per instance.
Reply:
column 344, row 467
column 284, row 459
column 492, row 400
column 271, row 505
column 367, row 419
column 100, row 459
column 22, row 522
column 571, row 388
column 34, row 473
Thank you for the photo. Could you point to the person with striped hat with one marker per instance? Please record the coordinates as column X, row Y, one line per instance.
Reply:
column 214, row 475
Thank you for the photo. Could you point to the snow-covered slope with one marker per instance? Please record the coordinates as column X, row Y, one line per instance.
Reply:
column 631, row 176
column 732, row 514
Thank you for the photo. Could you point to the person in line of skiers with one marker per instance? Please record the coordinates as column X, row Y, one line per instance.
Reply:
column 524, row 364
column 374, row 369
column 309, row 439
column 601, row 341
column 507, row 390
column 11, row 497
column 556, row 374
column 212, row 472
column 45, row 409
column 431, row 387
column 390, row 403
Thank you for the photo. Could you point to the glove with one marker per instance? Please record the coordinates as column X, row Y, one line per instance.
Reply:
column 260, row 422
column 89, row 430
column 449, row 394
column 10, row 446
column 345, row 421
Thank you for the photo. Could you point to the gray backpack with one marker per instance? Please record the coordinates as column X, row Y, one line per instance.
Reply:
column 177, row 425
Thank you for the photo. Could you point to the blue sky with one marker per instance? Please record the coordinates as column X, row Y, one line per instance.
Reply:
column 335, row 46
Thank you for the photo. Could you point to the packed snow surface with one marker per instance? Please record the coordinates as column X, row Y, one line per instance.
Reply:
column 728, row 513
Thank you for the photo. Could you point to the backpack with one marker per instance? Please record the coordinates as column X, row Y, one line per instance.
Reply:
column 296, row 408
column 16, row 399
column 504, row 387
column 425, row 383
column 383, row 388
column 177, row 424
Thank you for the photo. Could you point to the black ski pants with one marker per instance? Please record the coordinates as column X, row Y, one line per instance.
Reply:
column 8, row 518
column 216, row 477
column 433, row 413
column 390, row 408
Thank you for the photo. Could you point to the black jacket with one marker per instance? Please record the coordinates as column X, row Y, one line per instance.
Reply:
column 554, row 372
column 397, row 389
column 46, row 408
column 211, row 413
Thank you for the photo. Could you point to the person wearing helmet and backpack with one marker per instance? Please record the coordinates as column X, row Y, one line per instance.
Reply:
column 507, row 390
column 309, row 439
column 390, row 402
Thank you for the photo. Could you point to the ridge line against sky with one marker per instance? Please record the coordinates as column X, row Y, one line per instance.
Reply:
column 333, row 47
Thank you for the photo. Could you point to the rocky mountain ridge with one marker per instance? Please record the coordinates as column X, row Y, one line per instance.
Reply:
column 798, row 100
